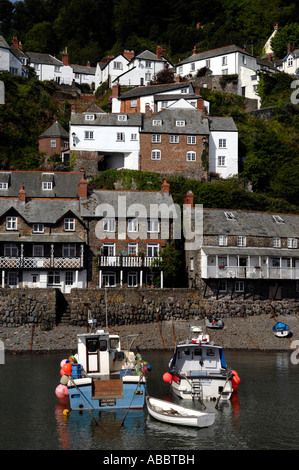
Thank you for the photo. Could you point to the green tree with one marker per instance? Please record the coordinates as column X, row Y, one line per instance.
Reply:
column 289, row 34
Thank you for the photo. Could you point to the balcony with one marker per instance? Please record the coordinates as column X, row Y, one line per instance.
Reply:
column 40, row 263
column 252, row 272
column 128, row 261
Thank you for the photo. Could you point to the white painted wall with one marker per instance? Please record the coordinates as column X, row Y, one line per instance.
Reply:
column 9, row 62
column 42, row 280
column 230, row 153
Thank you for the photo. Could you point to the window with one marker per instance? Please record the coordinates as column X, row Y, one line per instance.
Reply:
column 38, row 228
column 192, row 68
column 290, row 61
column 69, row 250
column 133, row 225
column 132, row 279
column 222, row 239
column 278, row 219
column 69, row 225
column 156, row 154
column 122, row 117
column 47, row 185
column 3, row 185
column 53, row 278
column 191, row 156
column 108, row 249
column 148, row 77
column 292, row 243
column 117, row 65
column 152, row 250
column 109, row 224
column 164, row 104
column 38, row 250
column 222, row 143
column 276, row 242
column 89, row 117
column 174, row 139
column 157, row 122
column 224, row 60
column 11, row 249
column 109, row 279
column 225, row 72
column 133, row 103
column 191, row 264
column 132, row 248
column 120, row 136
column 222, row 260
column 191, row 139
column 57, row 68
column 69, row 278
column 184, row 90
column 208, row 63
column 222, row 286
column 133, row 136
column 12, row 279
column 241, row 241
column 35, row 278
column 11, row 223
column 88, row 135
column 221, row 161
column 239, row 286
column 230, row 216
column 244, row 59
column 180, row 123
column 153, row 225
column 53, row 143
column 275, row 262
column 148, row 64
column 156, row 138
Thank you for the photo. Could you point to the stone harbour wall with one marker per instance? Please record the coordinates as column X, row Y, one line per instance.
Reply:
column 49, row 307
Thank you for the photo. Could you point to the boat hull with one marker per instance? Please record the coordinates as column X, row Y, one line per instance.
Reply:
column 82, row 395
column 202, row 388
column 171, row 413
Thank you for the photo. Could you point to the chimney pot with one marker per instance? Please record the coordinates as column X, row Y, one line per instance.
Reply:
column 189, row 197
column 165, row 187
column 158, row 52
column 82, row 188
column 22, row 194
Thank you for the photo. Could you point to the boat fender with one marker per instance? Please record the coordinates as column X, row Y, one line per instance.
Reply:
column 64, row 379
column 66, row 412
column 235, row 380
column 67, row 367
column 195, row 341
column 176, row 379
column 167, row 377
column 61, row 391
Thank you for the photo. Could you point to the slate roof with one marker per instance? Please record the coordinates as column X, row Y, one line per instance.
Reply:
column 213, row 53
column 148, row 55
column 108, row 119
column 91, row 206
column 84, row 69
column 195, row 123
column 65, row 184
column 36, row 211
column 56, row 130
column 3, row 43
column 40, row 58
column 249, row 223
column 222, row 124
column 153, row 90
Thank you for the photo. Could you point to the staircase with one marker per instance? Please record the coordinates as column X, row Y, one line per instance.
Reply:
column 196, row 392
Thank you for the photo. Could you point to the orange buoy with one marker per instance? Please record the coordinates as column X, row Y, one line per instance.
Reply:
column 167, row 377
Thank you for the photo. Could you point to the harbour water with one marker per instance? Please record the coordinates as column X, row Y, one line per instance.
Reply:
column 262, row 415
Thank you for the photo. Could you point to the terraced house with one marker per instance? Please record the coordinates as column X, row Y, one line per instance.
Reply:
column 246, row 253
column 42, row 234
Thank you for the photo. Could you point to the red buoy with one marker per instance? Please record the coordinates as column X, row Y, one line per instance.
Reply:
column 167, row 377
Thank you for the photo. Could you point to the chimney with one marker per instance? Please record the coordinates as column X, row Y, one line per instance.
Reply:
column 269, row 59
column 194, row 50
column 65, row 57
column 200, row 104
column 73, row 108
column 165, row 187
column 129, row 55
column 148, row 111
column 164, row 52
column 276, row 26
column 115, row 91
column 291, row 47
column 20, row 46
column 22, row 194
column 177, row 78
column 15, row 42
column 188, row 201
column 88, row 64
column 159, row 52
column 82, row 188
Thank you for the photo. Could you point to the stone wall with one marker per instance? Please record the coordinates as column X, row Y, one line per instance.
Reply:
column 45, row 307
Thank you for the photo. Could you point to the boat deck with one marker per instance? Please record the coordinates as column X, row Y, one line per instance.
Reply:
column 107, row 389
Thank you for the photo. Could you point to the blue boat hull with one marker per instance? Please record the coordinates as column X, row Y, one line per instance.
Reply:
column 81, row 397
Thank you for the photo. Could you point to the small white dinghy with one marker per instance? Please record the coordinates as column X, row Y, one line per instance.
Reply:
column 174, row 414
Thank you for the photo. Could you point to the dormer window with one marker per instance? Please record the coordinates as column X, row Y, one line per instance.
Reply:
column 3, row 185
column 180, row 123
column 89, row 117
column 157, row 122
column 122, row 117
column 47, row 185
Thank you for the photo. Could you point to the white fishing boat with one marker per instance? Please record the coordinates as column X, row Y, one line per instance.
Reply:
column 174, row 414
column 102, row 376
column 198, row 370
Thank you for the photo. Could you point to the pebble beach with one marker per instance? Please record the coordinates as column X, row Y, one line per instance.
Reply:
column 248, row 333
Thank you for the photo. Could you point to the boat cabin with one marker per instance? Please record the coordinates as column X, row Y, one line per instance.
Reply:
column 99, row 353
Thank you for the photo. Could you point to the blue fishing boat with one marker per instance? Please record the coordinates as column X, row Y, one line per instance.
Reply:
column 281, row 330
column 102, row 376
